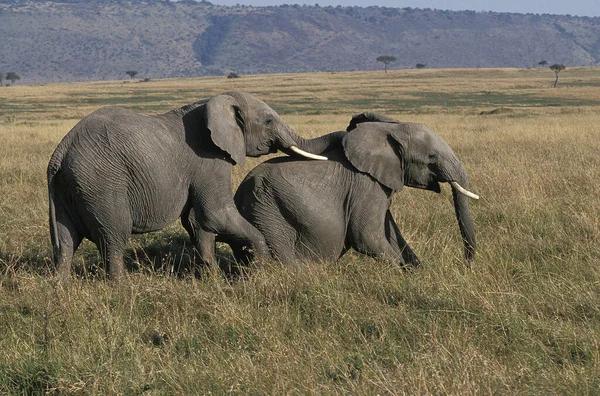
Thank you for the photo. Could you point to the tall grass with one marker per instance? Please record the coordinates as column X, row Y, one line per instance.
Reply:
column 525, row 318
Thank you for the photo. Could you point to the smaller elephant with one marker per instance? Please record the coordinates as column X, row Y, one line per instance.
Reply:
column 310, row 210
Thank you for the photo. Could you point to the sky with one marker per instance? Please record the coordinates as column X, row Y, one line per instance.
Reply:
column 572, row 7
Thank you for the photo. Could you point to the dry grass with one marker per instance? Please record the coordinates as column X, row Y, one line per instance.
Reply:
column 524, row 319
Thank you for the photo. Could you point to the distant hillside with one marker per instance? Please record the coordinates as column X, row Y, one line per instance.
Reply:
column 80, row 40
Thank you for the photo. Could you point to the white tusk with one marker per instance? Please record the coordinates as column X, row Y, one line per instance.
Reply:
column 463, row 191
column 307, row 155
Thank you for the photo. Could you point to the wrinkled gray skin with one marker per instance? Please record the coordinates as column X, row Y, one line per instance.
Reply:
column 117, row 173
column 311, row 210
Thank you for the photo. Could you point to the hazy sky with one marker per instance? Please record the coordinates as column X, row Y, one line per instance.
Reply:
column 573, row 7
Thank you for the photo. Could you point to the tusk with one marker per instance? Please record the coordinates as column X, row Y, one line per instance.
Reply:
column 307, row 155
column 463, row 191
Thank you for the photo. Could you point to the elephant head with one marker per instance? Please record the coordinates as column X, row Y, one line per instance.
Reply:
column 243, row 125
column 410, row 154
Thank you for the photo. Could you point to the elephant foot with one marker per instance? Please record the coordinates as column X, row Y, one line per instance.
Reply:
column 413, row 263
column 119, row 280
column 63, row 279
column 63, row 274
column 243, row 256
column 116, row 272
column 410, row 258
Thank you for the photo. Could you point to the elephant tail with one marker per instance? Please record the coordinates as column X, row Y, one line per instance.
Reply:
column 53, row 169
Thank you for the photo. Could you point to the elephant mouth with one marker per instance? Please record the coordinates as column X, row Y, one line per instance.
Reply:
column 432, row 185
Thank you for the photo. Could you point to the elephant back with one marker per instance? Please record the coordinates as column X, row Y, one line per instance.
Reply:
column 285, row 172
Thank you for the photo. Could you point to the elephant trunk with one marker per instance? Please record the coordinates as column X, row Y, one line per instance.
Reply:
column 461, row 208
column 315, row 146
column 453, row 172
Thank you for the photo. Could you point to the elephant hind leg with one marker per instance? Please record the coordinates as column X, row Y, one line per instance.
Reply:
column 280, row 236
column 111, row 252
column 69, row 240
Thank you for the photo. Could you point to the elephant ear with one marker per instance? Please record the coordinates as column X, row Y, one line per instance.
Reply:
column 379, row 151
column 368, row 116
column 225, row 123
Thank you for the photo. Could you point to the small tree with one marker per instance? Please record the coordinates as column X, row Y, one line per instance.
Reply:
column 1, row 78
column 131, row 73
column 12, row 76
column 385, row 59
column 542, row 62
column 557, row 68
column 420, row 65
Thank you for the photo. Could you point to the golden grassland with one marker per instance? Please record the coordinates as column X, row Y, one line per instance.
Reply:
column 525, row 318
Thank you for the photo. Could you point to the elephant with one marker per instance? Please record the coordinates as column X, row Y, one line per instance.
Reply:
column 118, row 173
column 317, row 210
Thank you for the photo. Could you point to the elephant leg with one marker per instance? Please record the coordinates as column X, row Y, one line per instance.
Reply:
column 369, row 233
column 378, row 247
column 396, row 240
column 111, row 250
column 233, row 229
column 116, row 267
column 69, row 240
column 281, row 237
column 242, row 256
column 205, row 247
column 203, row 241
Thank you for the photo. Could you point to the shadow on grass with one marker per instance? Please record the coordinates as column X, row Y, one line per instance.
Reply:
column 168, row 254
column 172, row 254
column 29, row 260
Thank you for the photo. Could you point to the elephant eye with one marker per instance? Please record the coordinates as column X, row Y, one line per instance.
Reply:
column 269, row 121
column 432, row 157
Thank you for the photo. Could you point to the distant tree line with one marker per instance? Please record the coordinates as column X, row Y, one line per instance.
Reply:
column 556, row 67
column 386, row 59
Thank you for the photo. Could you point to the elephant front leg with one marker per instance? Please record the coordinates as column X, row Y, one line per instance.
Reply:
column 205, row 248
column 116, row 268
column 398, row 243
column 380, row 238
column 236, row 231
column 203, row 241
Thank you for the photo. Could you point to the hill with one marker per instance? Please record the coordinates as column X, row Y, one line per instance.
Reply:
column 48, row 41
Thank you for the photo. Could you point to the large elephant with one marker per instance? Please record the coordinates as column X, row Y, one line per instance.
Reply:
column 118, row 172
column 318, row 210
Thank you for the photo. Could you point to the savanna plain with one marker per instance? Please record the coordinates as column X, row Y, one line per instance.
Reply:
column 523, row 318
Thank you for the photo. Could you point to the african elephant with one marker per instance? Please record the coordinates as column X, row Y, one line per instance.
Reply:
column 118, row 173
column 318, row 210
